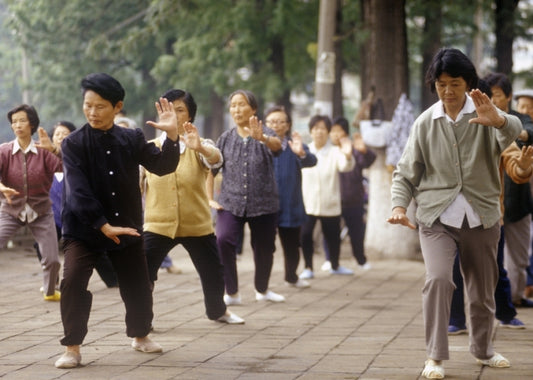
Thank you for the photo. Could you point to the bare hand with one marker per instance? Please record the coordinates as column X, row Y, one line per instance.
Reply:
column 215, row 205
column 168, row 121
column 346, row 146
column 192, row 139
column 297, row 145
column 255, row 128
column 44, row 140
column 399, row 217
column 526, row 158
column 113, row 232
column 9, row 193
column 358, row 143
column 487, row 113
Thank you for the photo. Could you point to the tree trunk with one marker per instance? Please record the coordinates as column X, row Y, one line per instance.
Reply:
column 325, row 66
column 384, row 240
column 385, row 67
column 338, row 108
column 504, row 15
column 214, row 122
column 385, row 52
column 430, row 45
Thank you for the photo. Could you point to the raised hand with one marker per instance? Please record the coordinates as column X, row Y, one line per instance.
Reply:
column 346, row 146
column 255, row 128
column 192, row 139
column 168, row 121
column 44, row 141
column 487, row 113
column 358, row 143
column 296, row 144
column 526, row 158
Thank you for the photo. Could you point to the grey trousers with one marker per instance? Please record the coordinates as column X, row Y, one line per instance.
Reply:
column 516, row 255
column 44, row 232
column 478, row 250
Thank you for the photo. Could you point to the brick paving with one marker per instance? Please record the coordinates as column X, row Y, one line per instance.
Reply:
column 366, row 326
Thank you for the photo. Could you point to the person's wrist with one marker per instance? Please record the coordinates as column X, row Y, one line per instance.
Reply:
column 265, row 139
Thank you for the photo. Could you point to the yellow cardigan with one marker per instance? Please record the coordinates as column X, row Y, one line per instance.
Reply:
column 176, row 205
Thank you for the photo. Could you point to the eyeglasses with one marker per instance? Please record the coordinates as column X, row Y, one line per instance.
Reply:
column 276, row 122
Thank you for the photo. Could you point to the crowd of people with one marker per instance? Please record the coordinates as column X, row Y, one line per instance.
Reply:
column 119, row 204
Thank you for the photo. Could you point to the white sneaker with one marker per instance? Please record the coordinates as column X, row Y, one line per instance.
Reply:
column 326, row 266
column 306, row 274
column 269, row 296
column 365, row 266
column 235, row 300
column 146, row 345
column 341, row 270
column 68, row 360
column 299, row 284
column 231, row 319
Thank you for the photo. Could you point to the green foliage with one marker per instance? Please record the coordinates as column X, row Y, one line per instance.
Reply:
column 206, row 47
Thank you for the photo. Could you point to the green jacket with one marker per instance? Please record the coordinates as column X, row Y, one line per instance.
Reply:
column 442, row 159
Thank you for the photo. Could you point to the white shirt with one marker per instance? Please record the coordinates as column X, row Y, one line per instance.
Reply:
column 320, row 183
column 460, row 208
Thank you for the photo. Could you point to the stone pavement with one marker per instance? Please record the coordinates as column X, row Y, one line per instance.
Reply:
column 366, row 326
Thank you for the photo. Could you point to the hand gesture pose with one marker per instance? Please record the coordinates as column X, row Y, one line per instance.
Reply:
column 399, row 217
column 487, row 113
column 346, row 147
column 297, row 145
column 113, row 232
column 255, row 128
column 358, row 143
column 168, row 121
column 44, row 141
column 8, row 192
column 526, row 158
column 192, row 139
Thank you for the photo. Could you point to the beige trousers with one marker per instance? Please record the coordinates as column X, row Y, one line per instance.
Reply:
column 478, row 250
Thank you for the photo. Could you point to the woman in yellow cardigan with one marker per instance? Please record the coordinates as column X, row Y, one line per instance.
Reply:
column 177, row 210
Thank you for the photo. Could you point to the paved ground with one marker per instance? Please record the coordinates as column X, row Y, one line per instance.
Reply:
column 367, row 326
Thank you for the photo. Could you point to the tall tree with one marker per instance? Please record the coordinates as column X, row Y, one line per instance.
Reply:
column 384, row 56
column 504, row 13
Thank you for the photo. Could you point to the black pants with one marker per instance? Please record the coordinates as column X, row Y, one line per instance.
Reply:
column 330, row 229
column 203, row 252
column 290, row 241
column 135, row 289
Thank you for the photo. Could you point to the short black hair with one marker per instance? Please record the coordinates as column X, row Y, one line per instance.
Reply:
column 31, row 113
column 279, row 108
column 104, row 85
column 483, row 86
column 499, row 80
column 454, row 63
column 318, row 118
column 185, row 97
column 343, row 123
column 67, row 124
